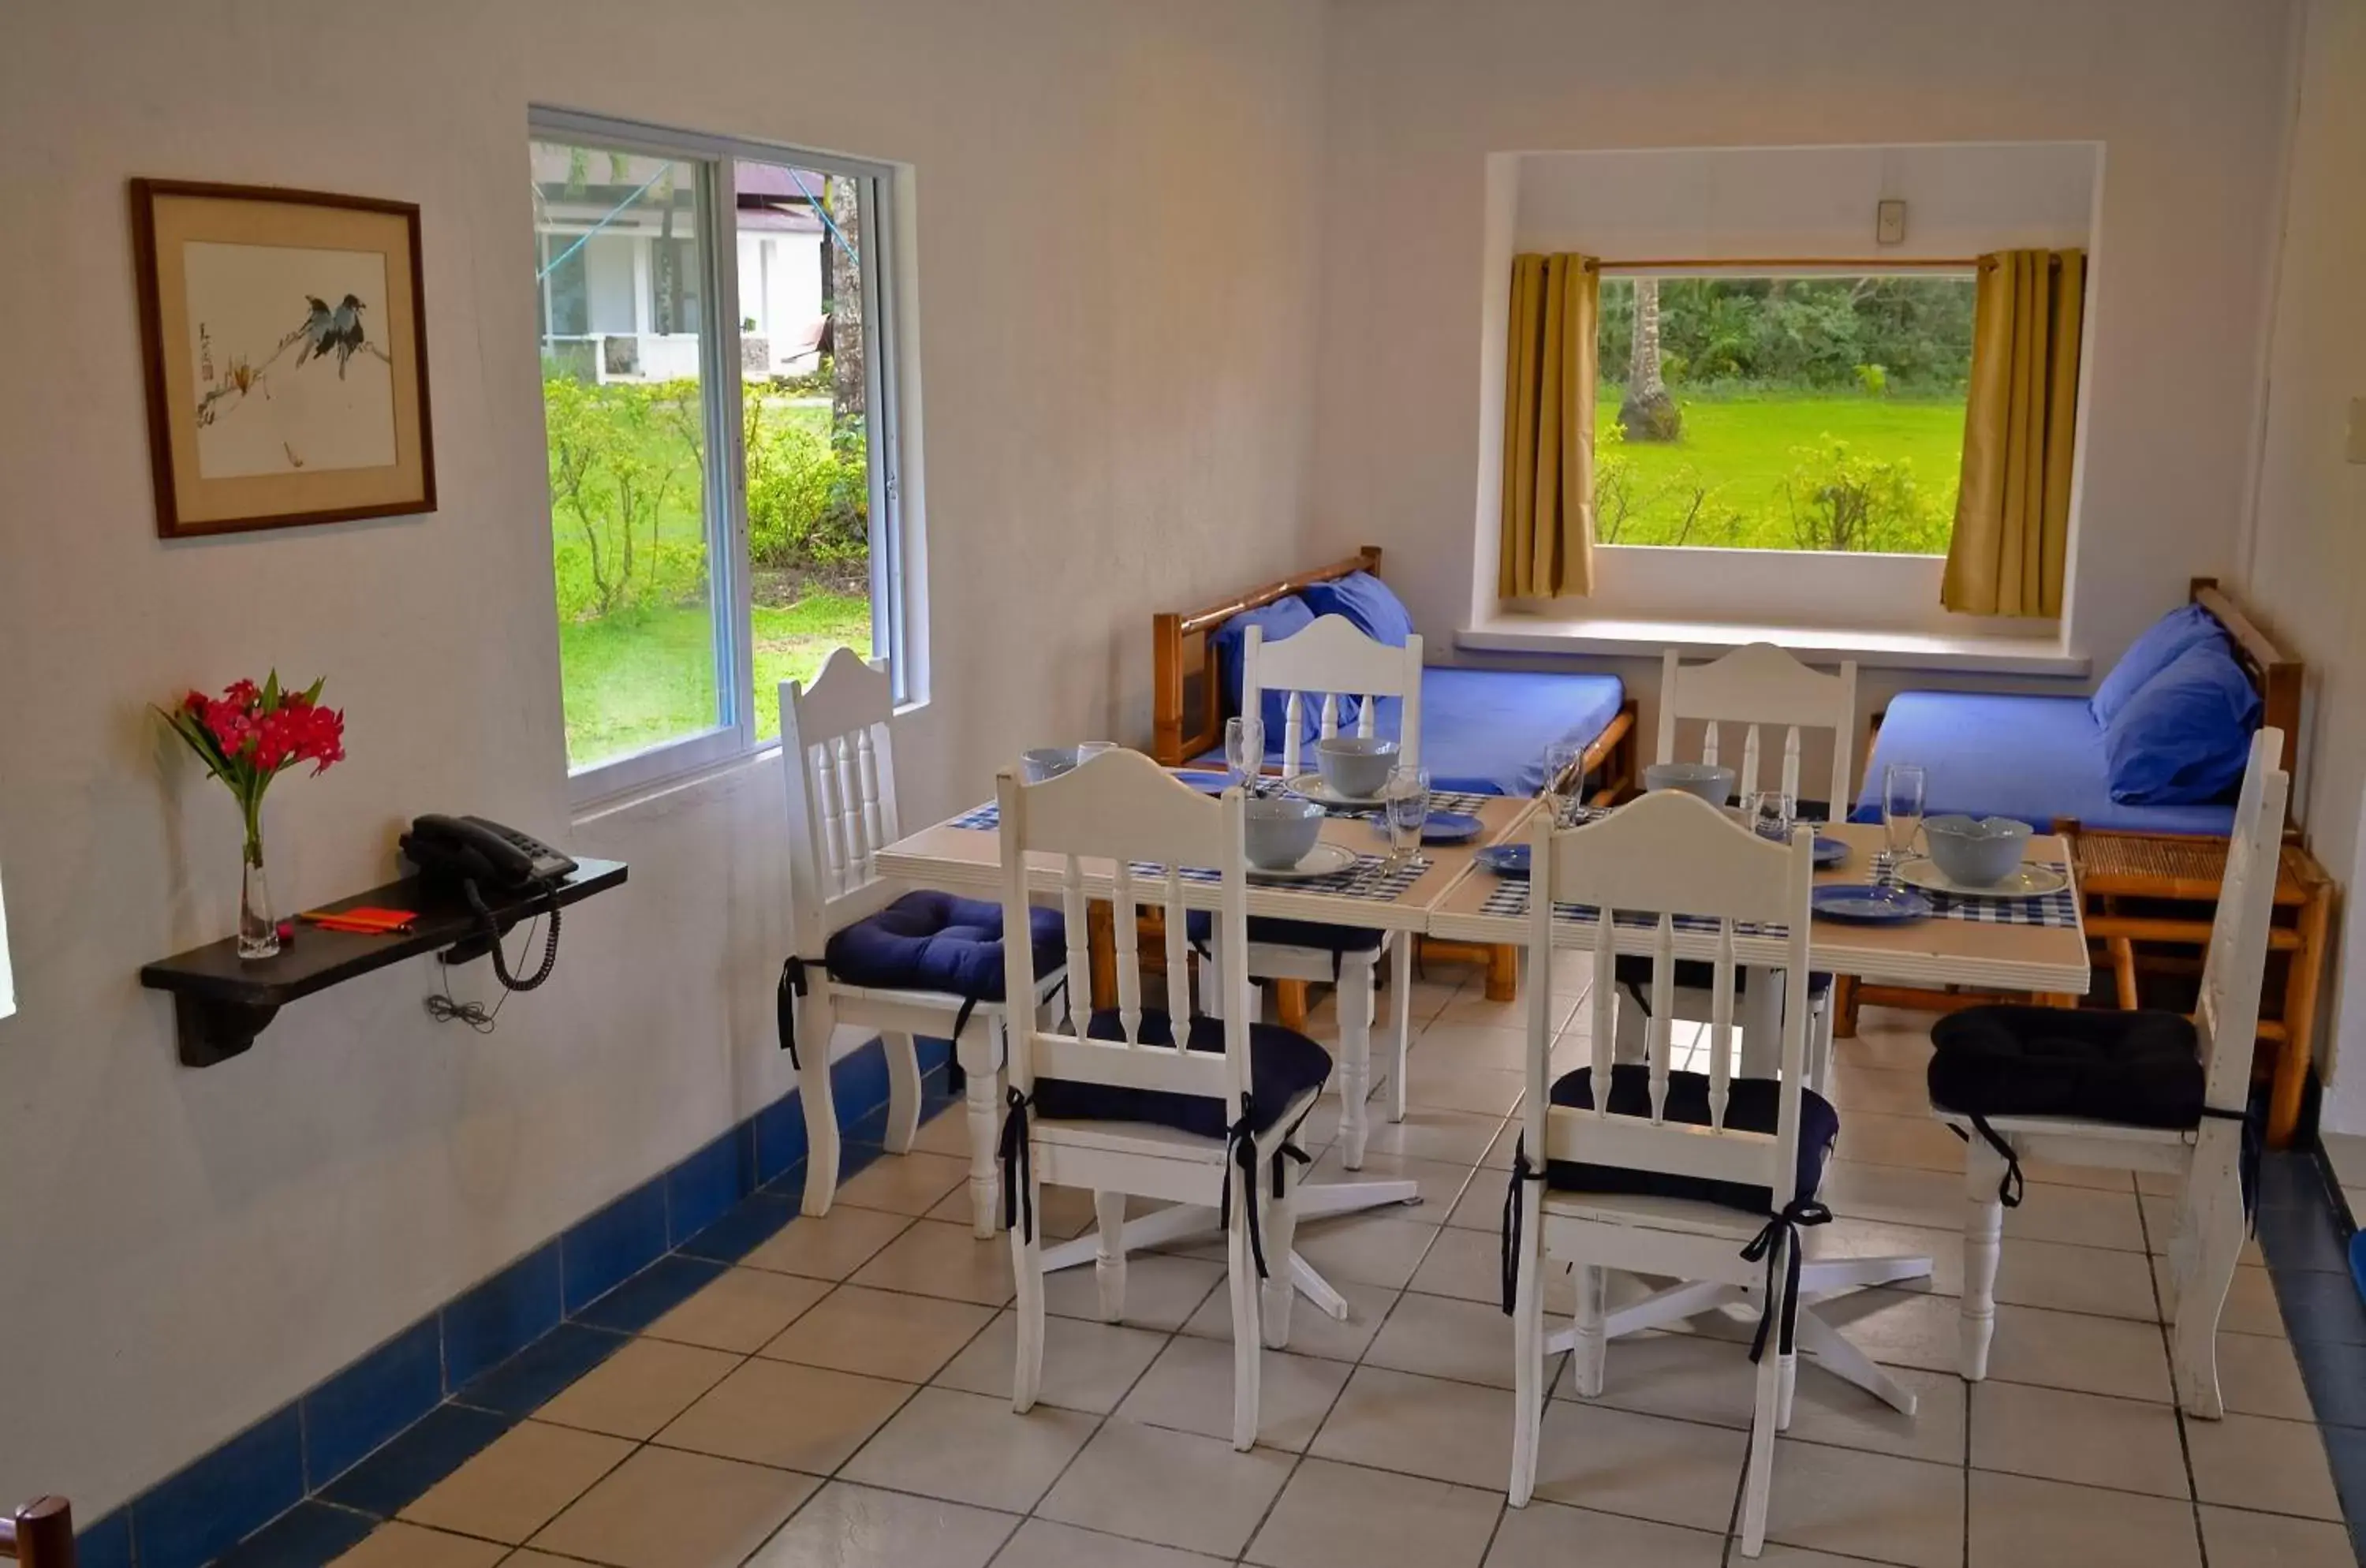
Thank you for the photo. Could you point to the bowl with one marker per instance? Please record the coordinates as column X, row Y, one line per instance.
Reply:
column 1978, row 851
column 1280, row 830
column 1707, row 780
column 1047, row 763
column 1356, row 766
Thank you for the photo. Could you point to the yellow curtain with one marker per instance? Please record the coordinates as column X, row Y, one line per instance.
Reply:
column 1547, row 515
column 2012, row 515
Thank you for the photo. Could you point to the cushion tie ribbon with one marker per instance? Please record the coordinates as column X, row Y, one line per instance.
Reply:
column 2248, row 1161
column 1018, row 1166
column 2008, row 1186
column 1288, row 1151
column 1514, row 1213
column 1241, row 1155
column 1782, row 1232
column 785, row 995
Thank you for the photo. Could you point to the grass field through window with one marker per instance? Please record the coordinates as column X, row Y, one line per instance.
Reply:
column 1750, row 469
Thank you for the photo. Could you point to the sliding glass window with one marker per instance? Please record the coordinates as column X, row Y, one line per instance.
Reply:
column 723, row 487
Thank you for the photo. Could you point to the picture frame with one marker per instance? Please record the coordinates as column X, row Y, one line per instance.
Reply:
column 284, row 335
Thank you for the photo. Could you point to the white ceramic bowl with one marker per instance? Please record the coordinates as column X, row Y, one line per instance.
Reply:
column 1712, row 783
column 1976, row 851
column 1354, row 765
column 1047, row 763
column 1279, row 830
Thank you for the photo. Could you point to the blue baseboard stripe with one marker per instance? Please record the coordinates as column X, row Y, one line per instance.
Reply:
column 304, row 1483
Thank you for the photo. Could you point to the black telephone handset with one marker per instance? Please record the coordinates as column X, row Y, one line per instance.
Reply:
column 470, row 854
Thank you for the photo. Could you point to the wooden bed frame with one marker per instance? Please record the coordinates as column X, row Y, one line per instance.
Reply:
column 39, row 1534
column 1188, row 720
column 2278, row 678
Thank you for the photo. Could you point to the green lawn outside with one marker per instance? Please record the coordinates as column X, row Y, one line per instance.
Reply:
column 1742, row 450
column 642, row 676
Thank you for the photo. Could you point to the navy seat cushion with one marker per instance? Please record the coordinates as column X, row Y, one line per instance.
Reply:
column 1201, row 924
column 929, row 941
column 2187, row 625
column 2185, row 735
column 1696, row 974
column 1751, row 1106
column 1367, row 602
column 1278, row 620
column 1283, row 1066
column 2142, row 1069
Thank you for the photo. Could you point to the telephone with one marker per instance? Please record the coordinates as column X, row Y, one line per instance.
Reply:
column 470, row 854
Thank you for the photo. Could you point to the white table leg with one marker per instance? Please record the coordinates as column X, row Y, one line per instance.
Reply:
column 1833, row 1351
column 1317, row 1290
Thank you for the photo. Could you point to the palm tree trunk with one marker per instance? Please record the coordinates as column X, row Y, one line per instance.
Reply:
column 847, row 383
column 1646, row 412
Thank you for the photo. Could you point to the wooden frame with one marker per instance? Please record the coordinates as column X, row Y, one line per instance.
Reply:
column 190, row 503
column 40, row 1535
column 1188, row 719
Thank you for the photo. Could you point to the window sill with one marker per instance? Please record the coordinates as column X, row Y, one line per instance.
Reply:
column 1871, row 649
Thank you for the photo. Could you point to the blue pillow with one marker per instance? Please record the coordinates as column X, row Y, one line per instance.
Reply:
column 2184, row 737
column 1367, row 602
column 1280, row 619
column 2185, row 627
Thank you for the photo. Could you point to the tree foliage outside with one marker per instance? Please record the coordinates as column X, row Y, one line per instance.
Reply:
column 1815, row 413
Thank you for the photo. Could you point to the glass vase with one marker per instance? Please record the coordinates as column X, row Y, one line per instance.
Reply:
column 258, row 928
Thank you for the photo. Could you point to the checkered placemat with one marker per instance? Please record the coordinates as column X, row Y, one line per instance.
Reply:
column 1439, row 800
column 985, row 818
column 2058, row 911
column 1370, row 877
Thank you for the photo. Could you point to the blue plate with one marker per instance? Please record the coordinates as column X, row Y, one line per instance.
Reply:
column 1442, row 827
column 1205, row 782
column 1830, row 851
column 1505, row 860
column 1867, row 904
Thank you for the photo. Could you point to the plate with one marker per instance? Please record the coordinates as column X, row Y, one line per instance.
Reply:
column 1442, row 827
column 2029, row 882
column 1204, row 782
column 1323, row 860
column 1867, row 904
column 1830, row 851
column 1311, row 787
column 1505, row 860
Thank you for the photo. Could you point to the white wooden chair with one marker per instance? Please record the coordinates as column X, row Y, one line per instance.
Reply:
column 838, row 760
column 1757, row 685
column 1332, row 658
column 1659, row 1137
column 1114, row 1105
column 2207, row 1156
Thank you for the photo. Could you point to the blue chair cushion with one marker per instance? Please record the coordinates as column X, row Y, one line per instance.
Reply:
column 1696, row 974
column 2185, row 735
column 1201, row 924
column 2156, row 647
column 929, row 941
column 2141, row 1069
column 1278, row 620
column 1751, row 1106
column 1367, row 602
column 1283, row 1066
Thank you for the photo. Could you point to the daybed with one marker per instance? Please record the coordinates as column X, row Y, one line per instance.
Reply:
column 1482, row 731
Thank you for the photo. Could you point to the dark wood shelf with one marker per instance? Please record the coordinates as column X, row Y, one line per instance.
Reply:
column 220, row 1002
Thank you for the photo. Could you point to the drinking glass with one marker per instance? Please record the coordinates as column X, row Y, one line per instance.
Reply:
column 1407, row 810
column 1771, row 813
column 1244, row 750
column 1089, row 750
column 1901, row 806
column 1564, row 780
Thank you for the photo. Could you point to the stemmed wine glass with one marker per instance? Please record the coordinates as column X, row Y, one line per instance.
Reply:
column 1244, row 751
column 1565, row 779
column 1901, row 806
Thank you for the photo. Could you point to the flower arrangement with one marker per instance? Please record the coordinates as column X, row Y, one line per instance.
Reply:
column 247, row 737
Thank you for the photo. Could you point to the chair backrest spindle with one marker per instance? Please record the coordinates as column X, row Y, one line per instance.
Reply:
column 838, row 761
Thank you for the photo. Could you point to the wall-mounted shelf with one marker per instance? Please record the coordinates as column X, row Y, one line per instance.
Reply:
column 221, row 1002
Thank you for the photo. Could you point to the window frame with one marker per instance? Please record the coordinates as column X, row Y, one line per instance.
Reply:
column 730, row 574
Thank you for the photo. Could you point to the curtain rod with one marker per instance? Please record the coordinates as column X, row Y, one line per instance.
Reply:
column 1858, row 264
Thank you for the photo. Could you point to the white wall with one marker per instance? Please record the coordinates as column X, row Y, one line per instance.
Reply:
column 2308, row 571
column 2185, row 97
column 1117, row 238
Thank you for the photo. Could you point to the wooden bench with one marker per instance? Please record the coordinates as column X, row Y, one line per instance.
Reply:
column 2156, row 889
column 1188, row 720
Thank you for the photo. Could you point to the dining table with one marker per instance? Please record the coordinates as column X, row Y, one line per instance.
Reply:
column 2032, row 945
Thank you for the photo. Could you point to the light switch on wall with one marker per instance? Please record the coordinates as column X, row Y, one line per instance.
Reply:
column 2356, row 449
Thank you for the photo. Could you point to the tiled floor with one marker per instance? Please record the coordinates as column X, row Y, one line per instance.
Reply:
column 838, row 1393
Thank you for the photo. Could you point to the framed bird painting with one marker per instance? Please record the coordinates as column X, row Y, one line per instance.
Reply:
column 287, row 356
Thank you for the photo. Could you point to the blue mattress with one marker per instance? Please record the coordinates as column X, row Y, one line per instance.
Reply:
column 1485, row 731
column 2035, row 758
